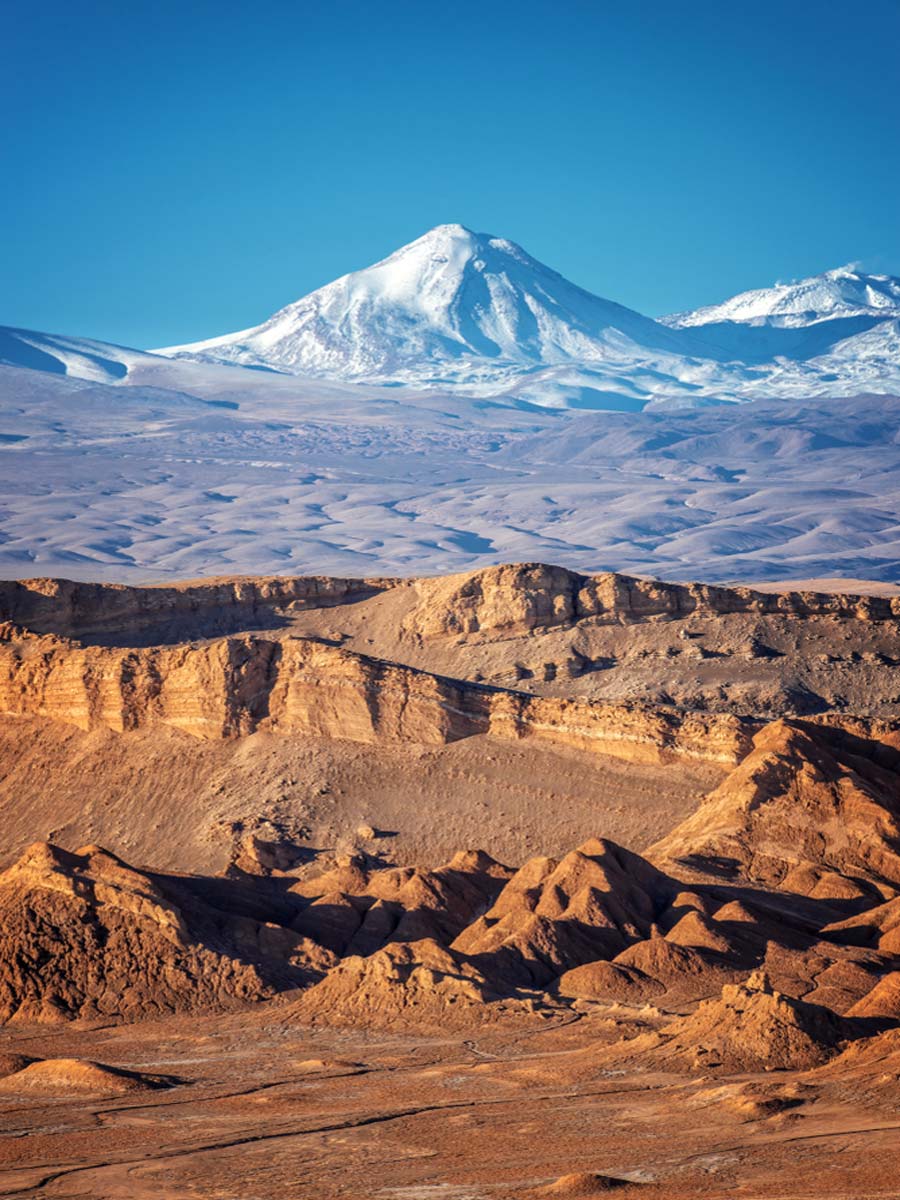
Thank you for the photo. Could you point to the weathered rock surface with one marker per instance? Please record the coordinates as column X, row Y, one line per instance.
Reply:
column 813, row 810
column 419, row 983
column 234, row 686
column 882, row 1001
column 752, row 1027
column 179, row 611
column 355, row 910
column 519, row 597
column 85, row 935
column 554, row 916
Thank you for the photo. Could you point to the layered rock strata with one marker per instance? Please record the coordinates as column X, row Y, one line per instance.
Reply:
column 519, row 597
column 234, row 686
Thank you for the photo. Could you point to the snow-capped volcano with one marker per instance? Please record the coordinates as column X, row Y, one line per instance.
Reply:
column 840, row 294
column 451, row 299
column 470, row 314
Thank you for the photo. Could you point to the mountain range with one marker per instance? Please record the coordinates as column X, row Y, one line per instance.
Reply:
column 474, row 314
column 457, row 405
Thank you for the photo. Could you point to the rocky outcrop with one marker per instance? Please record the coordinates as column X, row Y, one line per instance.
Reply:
column 554, row 916
column 182, row 610
column 237, row 685
column 422, row 984
column 752, row 1027
column 580, row 1185
column 516, row 598
column 812, row 810
column 356, row 910
column 85, row 935
column 495, row 601
column 654, row 969
column 506, row 599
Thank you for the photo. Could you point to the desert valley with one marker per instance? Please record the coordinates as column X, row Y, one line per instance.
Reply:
column 513, row 883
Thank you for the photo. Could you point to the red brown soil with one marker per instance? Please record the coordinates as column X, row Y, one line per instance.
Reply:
column 493, row 1113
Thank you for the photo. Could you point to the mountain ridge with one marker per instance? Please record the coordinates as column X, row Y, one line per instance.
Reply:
column 472, row 313
column 473, row 316
column 478, row 294
column 832, row 295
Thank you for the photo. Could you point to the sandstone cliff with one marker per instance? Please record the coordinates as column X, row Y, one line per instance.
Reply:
column 233, row 686
column 494, row 601
column 182, row 611
column 504, row 600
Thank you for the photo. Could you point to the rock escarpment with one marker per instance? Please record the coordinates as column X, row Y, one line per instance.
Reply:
column 496, row 601
column 234, row 686
column 515, row 598
column 179, row 611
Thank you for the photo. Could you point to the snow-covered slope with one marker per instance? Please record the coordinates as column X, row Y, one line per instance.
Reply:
column 452, row 299
column 839, row 294
column 82, row 358
column 469, row 314
column 475, row 314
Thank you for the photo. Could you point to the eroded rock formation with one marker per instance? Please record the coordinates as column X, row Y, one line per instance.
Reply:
column 812, row 809
column 179, row 611
column 752, row 1027
column 86, row 935
column 234, row 686
column 515, row 598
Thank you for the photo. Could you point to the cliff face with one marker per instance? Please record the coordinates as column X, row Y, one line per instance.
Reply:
column 502, row 600
column 232, row 686
column 92, row 610
column 124, row 658
column 513, row 599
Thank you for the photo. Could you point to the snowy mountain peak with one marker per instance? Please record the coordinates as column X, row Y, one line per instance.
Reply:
column 840, row 293
column 470, row 313
column 451, row 300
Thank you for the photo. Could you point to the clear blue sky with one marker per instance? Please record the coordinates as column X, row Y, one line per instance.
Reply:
column 174, row 170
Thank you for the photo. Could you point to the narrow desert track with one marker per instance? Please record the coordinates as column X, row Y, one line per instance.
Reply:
column 487, row 1117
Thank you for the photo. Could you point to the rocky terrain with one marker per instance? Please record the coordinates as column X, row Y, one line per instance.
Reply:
column 520, row 883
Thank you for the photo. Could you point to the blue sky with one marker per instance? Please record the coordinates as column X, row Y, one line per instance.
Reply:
column 170, row 171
